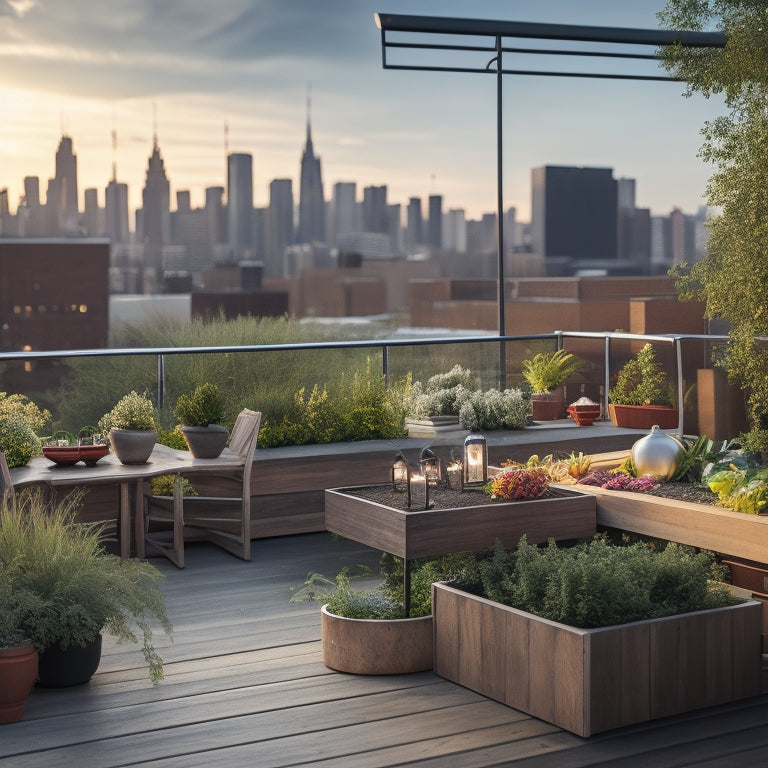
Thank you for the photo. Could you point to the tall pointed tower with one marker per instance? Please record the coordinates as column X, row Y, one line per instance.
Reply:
column 62, row 190
column 156, row 197
column 311, row 200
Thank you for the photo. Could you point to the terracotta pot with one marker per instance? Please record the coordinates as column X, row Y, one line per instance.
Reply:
column 584, row 415
column 376, row 646
column 18, row 671
column 548, row 406
column 133, row 446
column 205, row 442
column 643, row 416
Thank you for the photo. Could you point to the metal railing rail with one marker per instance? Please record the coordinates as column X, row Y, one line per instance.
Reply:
column 384, row 345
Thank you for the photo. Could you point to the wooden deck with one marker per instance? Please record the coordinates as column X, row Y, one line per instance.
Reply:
column 245, row 686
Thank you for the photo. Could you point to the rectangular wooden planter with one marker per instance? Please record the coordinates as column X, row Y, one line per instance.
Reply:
column 592, row 680
column 698, row 525
column 434, row 532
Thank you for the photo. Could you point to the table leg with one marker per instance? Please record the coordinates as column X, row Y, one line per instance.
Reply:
column 125, row 521
column 138, row 522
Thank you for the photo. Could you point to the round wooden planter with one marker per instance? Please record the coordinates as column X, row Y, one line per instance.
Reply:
column 18, row 671
column 376, row 646
column 132, row 446
column 643, row 416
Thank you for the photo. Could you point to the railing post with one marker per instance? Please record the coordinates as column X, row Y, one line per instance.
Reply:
column 160, row 381
column 385, row 365
column 680, row 385
column 607, row 381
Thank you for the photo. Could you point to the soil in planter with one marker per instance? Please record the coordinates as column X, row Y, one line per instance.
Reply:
column 439, row 498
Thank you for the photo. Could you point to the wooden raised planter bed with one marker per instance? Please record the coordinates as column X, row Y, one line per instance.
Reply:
column 433, row 532
column 592, row 680
column 698, row 525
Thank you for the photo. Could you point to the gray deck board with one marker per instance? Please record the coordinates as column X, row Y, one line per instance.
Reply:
column 245, row 685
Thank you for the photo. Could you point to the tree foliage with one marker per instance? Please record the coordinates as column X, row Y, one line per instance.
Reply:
column 731, row 279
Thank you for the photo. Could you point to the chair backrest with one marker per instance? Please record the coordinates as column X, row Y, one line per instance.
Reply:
column 6, row 486
column 245, row 435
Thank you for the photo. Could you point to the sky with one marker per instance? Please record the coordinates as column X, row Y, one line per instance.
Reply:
column 185, row 69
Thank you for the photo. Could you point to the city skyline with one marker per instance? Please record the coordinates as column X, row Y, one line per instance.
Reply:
column 189, row 70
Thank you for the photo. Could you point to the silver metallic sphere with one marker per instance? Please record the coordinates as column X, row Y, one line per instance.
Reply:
column 657, row 454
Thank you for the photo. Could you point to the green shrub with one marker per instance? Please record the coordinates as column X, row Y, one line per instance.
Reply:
column 22, row 407
column 18, row 440
column 132, row 411
column 595, row 584
column 205, row 406
column 642, row 381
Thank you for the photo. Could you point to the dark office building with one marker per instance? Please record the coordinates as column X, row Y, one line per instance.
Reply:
column 574, row 213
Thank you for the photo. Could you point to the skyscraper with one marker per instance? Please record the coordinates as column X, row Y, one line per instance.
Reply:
column 279, row 227
column 62, row 190
column 414, row 235
column 574, row 213
column 240, row 205
column 435, row 227
column 344, row 210
column 375, row 216
column 156, row 202
column 311, row 200
column 116, row 212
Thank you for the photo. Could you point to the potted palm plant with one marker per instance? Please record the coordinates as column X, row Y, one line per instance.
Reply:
column 18, row 657
column 642, row 394
column 131, row 428
column 69, row 590
column 546, row 373
column 200, row 415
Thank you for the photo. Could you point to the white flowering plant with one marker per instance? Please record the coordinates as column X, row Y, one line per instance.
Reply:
column 441, row 395
column 134, row 411
column 494, row 409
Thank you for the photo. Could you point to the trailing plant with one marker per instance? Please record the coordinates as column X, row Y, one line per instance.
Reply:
column 205, row 406
column 548, row 370
column 518, row 484
column 73, row 590
column 596, row 584
column 132, row 411
column 642, row 381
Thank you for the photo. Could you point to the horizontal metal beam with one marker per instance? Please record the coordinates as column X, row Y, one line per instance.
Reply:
column 395, row 22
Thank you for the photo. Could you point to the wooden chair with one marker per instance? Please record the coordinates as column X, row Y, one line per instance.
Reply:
column 6, row 486
column 222, row 520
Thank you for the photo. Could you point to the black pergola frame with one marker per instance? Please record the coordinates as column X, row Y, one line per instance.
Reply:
column 498, row 31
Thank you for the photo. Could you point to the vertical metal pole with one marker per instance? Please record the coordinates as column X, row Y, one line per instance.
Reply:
column 607, row 381
column 500, row 215
column 385, row 365
column 160, row 381
column 680, row 392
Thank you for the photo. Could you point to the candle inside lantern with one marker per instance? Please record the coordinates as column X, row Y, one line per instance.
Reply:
column 475, row 464
column 454, row 471
column 419, row 492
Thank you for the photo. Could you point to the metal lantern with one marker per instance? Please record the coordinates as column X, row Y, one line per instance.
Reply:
column 475, row 460
column 401, row 472
column 657, row 454
column 455, row 476
column 430, row 467
column 418, row 498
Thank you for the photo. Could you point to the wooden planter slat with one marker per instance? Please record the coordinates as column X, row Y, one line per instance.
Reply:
column 698, row 525
column 593, row 680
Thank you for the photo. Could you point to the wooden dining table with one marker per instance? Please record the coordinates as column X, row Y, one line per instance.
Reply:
column 129, row 478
